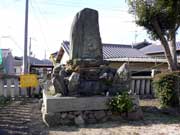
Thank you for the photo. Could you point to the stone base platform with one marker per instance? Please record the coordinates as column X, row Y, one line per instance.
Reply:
column 82, row 110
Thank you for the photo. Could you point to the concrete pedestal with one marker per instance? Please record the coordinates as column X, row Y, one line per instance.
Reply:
column 80, row 110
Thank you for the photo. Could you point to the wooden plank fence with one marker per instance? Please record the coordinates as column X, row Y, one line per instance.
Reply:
column 9, row 87
column 142, row 86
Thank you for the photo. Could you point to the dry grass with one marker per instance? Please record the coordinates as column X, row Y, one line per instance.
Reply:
column 149, row 103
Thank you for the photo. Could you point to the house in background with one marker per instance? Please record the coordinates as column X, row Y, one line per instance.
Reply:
column 141, row 44
column 154, row 50
column 17, row 65
column 117, row 54
column 36, row 65
column 10, row 65
column 7, row 64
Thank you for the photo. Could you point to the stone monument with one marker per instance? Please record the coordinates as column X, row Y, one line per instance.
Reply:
column 86, row 74
column 86, row 83
column 85, row 40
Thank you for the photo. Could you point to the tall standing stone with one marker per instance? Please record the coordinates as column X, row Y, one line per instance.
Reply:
column 85, row 40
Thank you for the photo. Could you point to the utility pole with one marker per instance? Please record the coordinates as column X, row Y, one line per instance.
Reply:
column 135, row 18
column 29, row 58
column 25, row 60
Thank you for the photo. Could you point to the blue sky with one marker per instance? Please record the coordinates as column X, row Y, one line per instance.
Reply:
column 50, row 22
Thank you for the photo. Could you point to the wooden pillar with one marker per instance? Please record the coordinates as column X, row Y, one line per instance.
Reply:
column 142, row 87
column 148, row 85
column 133, row 85
column 138, row 86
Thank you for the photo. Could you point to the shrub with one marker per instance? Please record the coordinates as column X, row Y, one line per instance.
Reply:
column 121, row 103
column 4, row 100
column 166, row 89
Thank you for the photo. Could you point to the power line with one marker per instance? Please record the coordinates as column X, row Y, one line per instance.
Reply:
column 39, row 22
column 82, row 5
column 12, row 39
column 71, row 4
column 6, row 5
column 36, row 8
column 119, row 11
column 46, row 20
column 40, row 11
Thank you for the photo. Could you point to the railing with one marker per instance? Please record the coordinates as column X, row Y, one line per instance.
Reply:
column 9, row 87
column 142, row 86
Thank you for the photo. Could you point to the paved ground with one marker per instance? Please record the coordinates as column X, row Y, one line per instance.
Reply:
column 24, row 118
column 121, row 129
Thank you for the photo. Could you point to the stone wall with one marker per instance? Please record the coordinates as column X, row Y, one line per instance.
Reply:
column 77, row 117
column 83, row 110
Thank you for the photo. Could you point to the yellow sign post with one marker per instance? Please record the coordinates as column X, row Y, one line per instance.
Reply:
column 28, row 80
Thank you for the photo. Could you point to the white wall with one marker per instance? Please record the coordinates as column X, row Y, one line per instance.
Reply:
column 18, row 70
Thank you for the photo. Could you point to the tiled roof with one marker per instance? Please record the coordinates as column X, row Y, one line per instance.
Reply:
column 66, row 46
column 120, row 51
column 141, row 44
column 114, row 51
column 150, row 49
column 34, row 61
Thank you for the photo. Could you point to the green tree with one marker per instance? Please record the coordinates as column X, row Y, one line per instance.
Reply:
column 161, row 19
